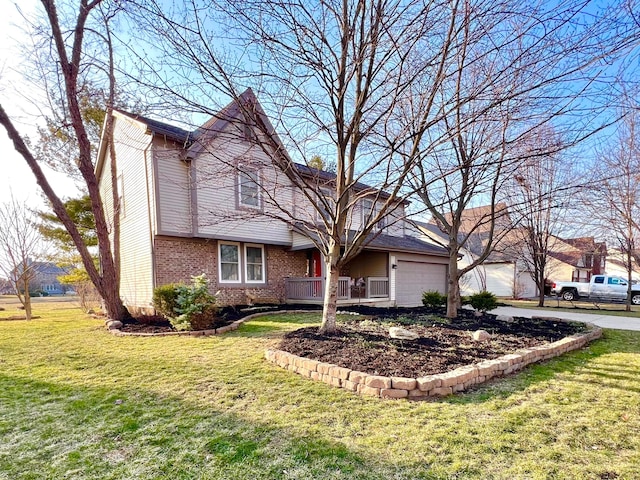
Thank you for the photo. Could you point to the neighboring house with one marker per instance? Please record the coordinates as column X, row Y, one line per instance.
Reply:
column 209, row 201
column 5, row 287
column 505, row 271
column 44, row 278
column 616, row 265
column 501, row 274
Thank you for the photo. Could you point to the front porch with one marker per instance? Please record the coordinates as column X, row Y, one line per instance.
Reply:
column 351, row 291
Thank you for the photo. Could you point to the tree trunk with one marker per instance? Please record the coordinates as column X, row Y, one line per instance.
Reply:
column 453, row 288
column 25, row 299
column 629, row 285
column 541, row 286
column 27, row 305
column 330, row 305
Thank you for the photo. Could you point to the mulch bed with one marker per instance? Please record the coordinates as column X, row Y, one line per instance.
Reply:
column 225, row 316
column 363, row 344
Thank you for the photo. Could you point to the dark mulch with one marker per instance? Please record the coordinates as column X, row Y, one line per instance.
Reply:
column 363, row 344
column 225, row 316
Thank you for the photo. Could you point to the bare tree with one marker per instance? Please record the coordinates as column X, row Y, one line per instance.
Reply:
column 514, row 70
column 21, row 247
column 355, row 82
column 613, row 199
column 64, row 68
column 540, row 191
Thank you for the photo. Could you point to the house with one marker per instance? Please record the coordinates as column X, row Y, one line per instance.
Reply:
column 43, row 277
column 616, row 264
column 213, row 201
column 501, row 273
column 46, row 278
column 505, row 272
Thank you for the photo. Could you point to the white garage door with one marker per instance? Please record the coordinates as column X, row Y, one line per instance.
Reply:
column 413, row 278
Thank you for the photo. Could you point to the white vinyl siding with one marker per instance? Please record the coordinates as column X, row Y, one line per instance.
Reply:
column 133, row 169
column 218, row 206
column 174, row 192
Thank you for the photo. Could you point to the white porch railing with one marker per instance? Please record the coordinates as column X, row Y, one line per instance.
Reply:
column 377, row 287
column 312, row 288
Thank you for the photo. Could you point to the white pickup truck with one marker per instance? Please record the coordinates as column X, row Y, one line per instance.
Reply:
column 601, row 287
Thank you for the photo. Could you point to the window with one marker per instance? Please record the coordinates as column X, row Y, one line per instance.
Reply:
column 326, row 204
column 616, row 281
column 599, row 280
column 369, row 211
column 249, row 189
column 254, row 262
column 241, row 263
column 230, row 262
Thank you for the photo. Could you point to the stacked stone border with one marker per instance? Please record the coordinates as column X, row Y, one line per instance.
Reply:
column 114, row 328
column 441, row 384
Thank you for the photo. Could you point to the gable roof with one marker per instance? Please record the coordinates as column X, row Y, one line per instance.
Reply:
column 194, row 142
column 478, row 219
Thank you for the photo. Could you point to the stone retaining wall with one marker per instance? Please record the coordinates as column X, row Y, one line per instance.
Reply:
column 432, row 385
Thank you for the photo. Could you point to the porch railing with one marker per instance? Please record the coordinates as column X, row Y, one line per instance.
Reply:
column 304, row 288
column 377, row 287
column 312, row 288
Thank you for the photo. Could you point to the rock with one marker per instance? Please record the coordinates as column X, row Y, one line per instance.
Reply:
column 481, row 335
column 402, row 333
column 505, row 318
column 114, row 324
column 91, row 311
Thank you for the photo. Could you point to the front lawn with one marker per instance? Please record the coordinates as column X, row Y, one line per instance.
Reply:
column 554, row 306
column 79, row 403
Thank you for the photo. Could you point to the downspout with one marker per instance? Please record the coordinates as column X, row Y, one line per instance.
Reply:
column 151, row 242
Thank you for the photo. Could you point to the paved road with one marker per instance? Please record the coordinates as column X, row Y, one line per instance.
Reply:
column 604, row 321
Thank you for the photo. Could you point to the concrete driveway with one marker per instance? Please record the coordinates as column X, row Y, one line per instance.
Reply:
column 604, row 321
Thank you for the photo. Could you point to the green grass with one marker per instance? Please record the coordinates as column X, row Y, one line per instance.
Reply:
column 555, row 305
column 79, row 403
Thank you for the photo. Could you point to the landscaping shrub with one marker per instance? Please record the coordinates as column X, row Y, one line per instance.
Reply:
column 165, row 299
column 188, row 307
column 483, row 301
column 433, row 298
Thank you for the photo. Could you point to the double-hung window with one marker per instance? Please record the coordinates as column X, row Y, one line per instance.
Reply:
column 254, row 263
column 369, row 211
column 241, row 263
column 249, row 188
column 230, row 262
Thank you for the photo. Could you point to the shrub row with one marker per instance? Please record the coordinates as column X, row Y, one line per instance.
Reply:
column 483, row 301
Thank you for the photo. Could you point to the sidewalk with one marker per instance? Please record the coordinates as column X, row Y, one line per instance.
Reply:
column 604, row 321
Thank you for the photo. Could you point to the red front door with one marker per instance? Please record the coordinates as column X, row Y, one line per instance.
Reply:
column 316, row 264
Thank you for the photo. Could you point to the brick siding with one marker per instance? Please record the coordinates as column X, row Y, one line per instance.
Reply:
column 177, row 260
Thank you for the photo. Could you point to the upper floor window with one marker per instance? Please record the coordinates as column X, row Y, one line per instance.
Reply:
column 249, row 188
column 326, row 204
column 369, row 211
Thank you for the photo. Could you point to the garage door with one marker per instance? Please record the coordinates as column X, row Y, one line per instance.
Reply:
column 413, row 278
